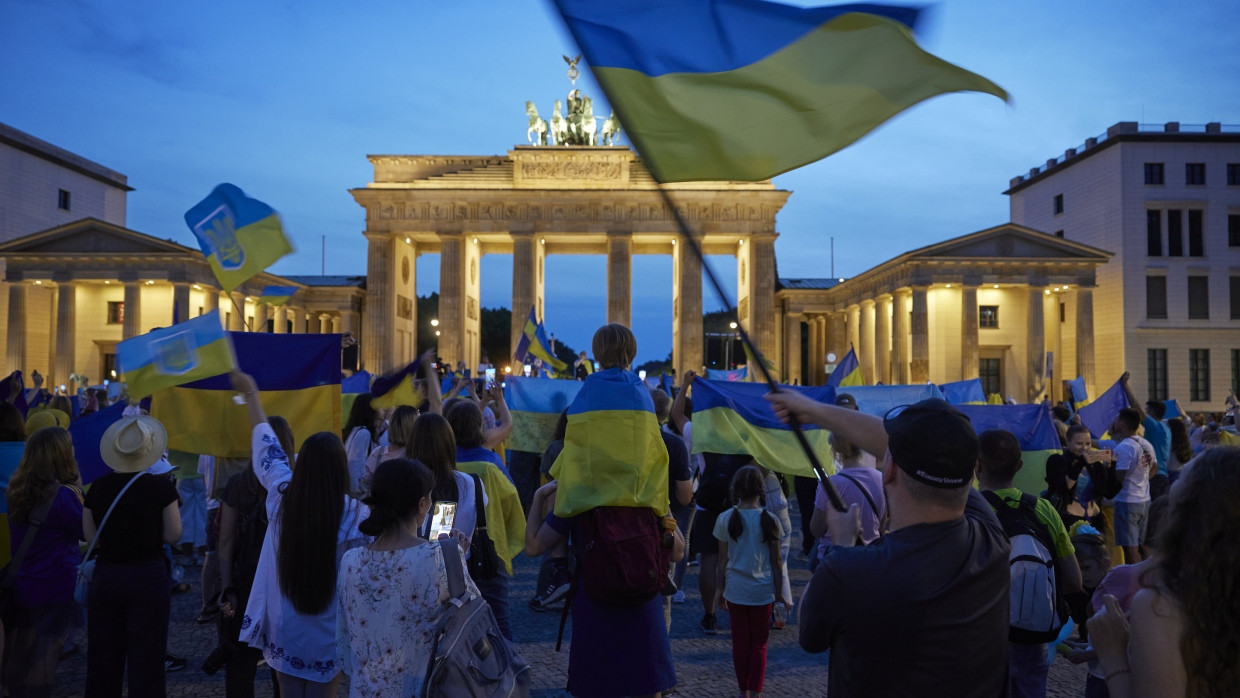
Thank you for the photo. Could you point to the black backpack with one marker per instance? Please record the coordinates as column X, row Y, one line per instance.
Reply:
column 714, row 493
column 1034, row 601
column 251, row 528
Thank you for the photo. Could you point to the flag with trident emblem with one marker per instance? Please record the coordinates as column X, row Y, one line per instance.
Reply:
column 240, row 236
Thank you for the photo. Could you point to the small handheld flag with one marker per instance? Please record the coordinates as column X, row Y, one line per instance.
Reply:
column 534, row 341
column 176, row 355
column 240, row 236
column 847, row 372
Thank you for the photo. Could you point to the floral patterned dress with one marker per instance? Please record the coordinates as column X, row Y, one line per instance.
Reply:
column 390, row 603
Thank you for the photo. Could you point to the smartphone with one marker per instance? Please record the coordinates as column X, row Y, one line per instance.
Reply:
column 1101, row 455
column 443, row 517
column 490, row 378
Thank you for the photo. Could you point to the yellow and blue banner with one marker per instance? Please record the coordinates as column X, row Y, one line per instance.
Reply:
column 847, row 372
column 350, row 388
column 505, row 517
column 535, row 405
column 1033, row 427
column 879, row 399
column 748, row 89
column 968, row 392
column 613, row 454
column 277, row 295
column 736, row 418
column 1080, row 395
column 298, row 377
column 534, row 341
column 240, row 236
column 175, row 355
column 397, row 388
column 728, row 375
column 1098, row 415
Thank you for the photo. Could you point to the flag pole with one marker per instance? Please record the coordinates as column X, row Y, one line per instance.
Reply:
column 832, row 493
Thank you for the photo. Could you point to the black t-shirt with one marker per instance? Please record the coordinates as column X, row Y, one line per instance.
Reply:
column 923, row 611
column 135, row 530
column 677, row 469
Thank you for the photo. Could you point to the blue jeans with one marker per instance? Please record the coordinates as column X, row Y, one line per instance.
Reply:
column 1028, row 666
column 495, row 591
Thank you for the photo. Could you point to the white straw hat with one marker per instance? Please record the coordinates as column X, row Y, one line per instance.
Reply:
column 133, row 444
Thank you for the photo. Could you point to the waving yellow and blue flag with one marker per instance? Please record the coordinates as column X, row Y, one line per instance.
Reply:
column 277, row 295
column 298, row 378
column 1033, row 427
column 736, row 418
column 535, row 406
column 175, row 355
column 968, row 392
column 1099, row 414
column 534, row 342
column 847, row 372
column 240, row 236
column 748, row 89
column 613, row 454
column 397, row 388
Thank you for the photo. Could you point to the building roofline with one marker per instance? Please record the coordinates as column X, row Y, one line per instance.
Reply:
column 1127, row 132
column 59, row 156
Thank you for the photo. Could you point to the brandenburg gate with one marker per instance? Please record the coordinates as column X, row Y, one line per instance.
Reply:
column 541, row 200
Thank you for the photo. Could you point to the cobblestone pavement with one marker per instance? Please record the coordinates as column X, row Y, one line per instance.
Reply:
column 703, row 664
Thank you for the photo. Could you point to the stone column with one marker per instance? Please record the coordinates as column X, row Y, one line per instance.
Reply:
column 919, row 364
column 1036, row 358
column 1084, row 337
column 279, row 320
column 238, row 312
column 687, row 332
column 132, row 308
column 882, row 340
column 180, row 302
column 378, row 336
column 815, row 350
column 66, row 326
column 854, row 332
column 297, row 319
column 792, row 348
column 451, row 296
column 524, row 275
column 865, row 340
column 261, row 312
column 899, row 337
column 620, row 277
column 16, row 354
column 761, row 325
column 969, row 352
column 348, row 322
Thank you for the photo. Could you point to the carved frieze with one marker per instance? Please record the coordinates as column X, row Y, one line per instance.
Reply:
column 592, row 212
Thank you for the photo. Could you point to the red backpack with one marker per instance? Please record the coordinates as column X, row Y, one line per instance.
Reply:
column 623, row 556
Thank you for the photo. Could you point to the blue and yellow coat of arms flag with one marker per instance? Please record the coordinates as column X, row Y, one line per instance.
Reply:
column 171, row 356
column 240, row 236
column 613, row 454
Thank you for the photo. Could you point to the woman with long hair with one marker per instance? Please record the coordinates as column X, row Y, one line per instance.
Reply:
column 1181, row 447
column 46, row 486
column 431, row 442
column 291, row 613
column 361, row 436
column 1179, row 638
column 400, row 426
column 392, row 592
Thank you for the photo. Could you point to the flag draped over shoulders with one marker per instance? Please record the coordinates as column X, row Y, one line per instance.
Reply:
column 748, row 89
column 613, row 454
column 505, row 517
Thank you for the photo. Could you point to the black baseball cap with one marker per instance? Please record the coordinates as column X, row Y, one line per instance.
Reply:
column 933, row 442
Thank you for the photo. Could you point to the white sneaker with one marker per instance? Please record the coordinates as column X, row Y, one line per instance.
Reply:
column 678, row 597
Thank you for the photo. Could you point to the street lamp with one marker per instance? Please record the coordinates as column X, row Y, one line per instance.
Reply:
column 434, row 322
column 732, row 325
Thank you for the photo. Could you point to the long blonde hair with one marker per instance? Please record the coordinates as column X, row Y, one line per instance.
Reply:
column 46, row 463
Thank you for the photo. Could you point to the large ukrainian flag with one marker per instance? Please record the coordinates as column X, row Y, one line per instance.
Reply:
column 298, row 377
column 613, row 454
column 736, row 418
column 240, row 236
column 535, row 405
column 968, row 392
column 747, row 89
column 175, row 355
column 1034, row 429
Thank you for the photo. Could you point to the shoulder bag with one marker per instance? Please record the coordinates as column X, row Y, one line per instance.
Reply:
column 483, row 560
column 86, row 570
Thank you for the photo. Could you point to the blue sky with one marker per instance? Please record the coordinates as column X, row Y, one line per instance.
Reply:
column 287, row 99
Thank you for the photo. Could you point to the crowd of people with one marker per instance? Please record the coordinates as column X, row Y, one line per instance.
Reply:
column 337, row 558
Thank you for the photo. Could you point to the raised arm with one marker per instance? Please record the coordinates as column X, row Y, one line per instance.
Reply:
column 677, row 414
column 434, row 397
column 1133, row 402
column 862, row 429
column 503, row 427
column 245, row 385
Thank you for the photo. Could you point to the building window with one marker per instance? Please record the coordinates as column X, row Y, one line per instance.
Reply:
column 228, row 320
column 1175, row 233
column 1233, row 174
column 1156, row 369
column 1058, row 204
column 1195, row 173
column 1233, row 230
column 1058, row 233
column 1063, row 312
column 1153, row 173
column 1156, row 298
column 1196, row 244
column 116, row 312
column 1199, row 375
column 200, row 311
column 62, row 200
column 988, row 370
column 109, row 365
column 988, row 316
column 1235, row 297
column 1198, row 298
column 1235, row 371
column 1153, row 233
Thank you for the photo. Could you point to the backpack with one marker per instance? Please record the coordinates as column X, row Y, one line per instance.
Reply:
column 469, row 656
column 1033, row 598
column 714, row 493
column 624, row 560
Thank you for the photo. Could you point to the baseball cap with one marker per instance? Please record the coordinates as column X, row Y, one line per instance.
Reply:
column 933, row 442
column 846, row 400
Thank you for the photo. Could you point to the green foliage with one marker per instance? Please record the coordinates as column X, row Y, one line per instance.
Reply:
column 656, row 366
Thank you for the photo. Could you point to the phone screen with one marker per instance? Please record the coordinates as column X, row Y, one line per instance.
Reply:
column 490, row 378
column 442, row 518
